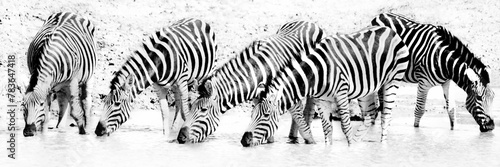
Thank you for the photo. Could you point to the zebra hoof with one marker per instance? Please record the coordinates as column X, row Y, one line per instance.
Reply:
column 293, row 140
column 82, row 131
column 310, row 142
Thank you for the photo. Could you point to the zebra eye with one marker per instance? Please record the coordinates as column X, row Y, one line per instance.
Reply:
column 266, row 114
column 204, row 109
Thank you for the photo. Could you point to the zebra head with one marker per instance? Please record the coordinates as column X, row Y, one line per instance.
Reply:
column 264, row 117
column 479, row 97
column 203, row 118
column 117, row 106
column 34, row 115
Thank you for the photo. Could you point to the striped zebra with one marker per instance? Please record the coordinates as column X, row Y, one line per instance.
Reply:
column 173, row 57
column 438, row 58
column 342, row 67
column 61, row 59
column 236, row 81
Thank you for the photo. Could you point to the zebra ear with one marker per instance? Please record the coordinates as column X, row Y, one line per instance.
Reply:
column 259, row 93
column 276, row 95
column 196, row 84
column 129, row 81
column 208, row 87
column 471, row 75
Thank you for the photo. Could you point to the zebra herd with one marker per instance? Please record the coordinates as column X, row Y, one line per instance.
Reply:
column 291, row 70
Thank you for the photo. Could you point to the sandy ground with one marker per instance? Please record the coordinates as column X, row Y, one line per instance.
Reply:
column 122, row 25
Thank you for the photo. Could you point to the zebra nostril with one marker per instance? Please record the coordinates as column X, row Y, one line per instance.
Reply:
column 246, row 140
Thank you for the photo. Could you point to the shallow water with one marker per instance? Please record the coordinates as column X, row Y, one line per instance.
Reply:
column 141, row 142
column 135, row 144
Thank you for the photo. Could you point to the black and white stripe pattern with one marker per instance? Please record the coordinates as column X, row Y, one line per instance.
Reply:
column 61, row 59
column 342, row 67
column 438, row 58
column 175, row 56
column 237, row 80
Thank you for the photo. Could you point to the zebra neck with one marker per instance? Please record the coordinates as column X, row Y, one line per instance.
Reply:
column 230, row 95
column 455, row 70
column 455, row 63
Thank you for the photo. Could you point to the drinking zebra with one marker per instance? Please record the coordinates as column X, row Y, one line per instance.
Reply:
column 342, row 67
column 61, row 59
column 236, row 81
column 438, row 58
column 175, row 56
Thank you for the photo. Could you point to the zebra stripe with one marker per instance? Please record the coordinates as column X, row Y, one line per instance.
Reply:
column 61, row 59
column 175, row 56
column 342, row 67
column 236, row 81
column 437, row 58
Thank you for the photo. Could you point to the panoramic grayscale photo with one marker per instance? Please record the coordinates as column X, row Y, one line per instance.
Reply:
column 249, row 83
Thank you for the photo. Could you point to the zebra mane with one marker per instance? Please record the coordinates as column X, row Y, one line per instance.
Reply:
column 462, row 52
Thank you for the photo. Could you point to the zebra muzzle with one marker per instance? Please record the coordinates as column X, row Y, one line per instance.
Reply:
column 100, row 130
column 247, row 139
column 183, row 136
column 487, row 124
column 29, row 130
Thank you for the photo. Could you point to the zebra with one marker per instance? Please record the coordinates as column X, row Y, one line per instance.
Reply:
column 342, row 67
column 174, row 57
column 439, row 58
column 236, row 81
column 61, row 60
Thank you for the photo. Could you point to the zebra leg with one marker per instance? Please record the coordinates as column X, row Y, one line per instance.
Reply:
column 449, row 104
column 345, row 115
column 292, row 136
column 389, row 96
column 46, row 110
column 368, row 109
column 162, row 98
column 421, row 99
column 308, row 113
column 326, row 122
column 62, row 100
column 181, row 100
column 304, row 129
column 84, row 102
column 77, row 111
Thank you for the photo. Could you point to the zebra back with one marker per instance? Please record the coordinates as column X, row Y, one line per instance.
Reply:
column 53, row 24
column 309, row 33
